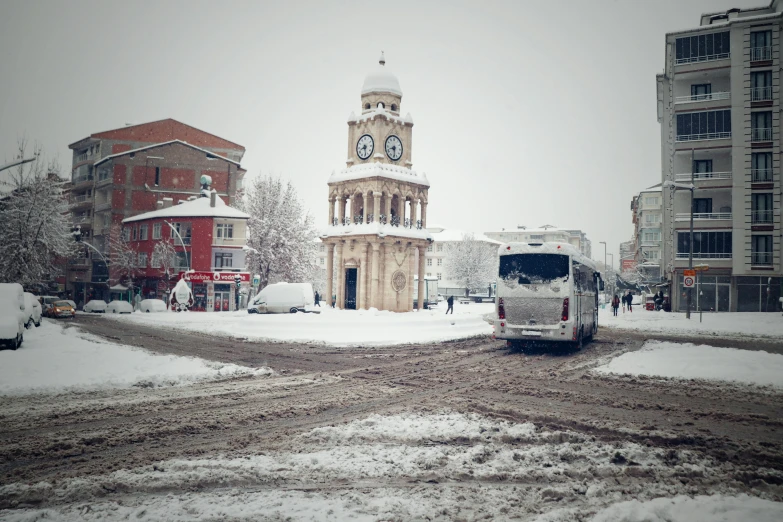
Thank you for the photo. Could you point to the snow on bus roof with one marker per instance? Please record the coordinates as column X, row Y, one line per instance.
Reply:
column 547, row 248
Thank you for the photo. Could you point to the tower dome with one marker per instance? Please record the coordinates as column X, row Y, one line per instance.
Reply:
column 381, row 80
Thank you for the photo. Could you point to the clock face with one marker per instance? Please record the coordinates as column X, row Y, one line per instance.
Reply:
column 364, row 146
column 393, row 148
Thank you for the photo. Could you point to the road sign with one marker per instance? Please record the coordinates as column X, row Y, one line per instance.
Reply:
column 687, row 273
column 699, row 268
column 688, row 282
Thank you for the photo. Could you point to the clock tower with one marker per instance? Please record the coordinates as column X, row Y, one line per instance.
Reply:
column 376, row 235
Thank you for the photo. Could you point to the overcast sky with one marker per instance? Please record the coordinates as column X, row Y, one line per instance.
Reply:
column 525, row 113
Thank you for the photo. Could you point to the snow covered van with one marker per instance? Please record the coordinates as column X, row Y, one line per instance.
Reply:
column 281, row 298
column 546, row 292
column 12, row 314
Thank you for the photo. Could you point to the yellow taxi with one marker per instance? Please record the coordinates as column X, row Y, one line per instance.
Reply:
column 62, row 309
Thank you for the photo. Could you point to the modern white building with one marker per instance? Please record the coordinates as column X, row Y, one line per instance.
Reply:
column 648, row 218
column 719, row 110
column 545, row 233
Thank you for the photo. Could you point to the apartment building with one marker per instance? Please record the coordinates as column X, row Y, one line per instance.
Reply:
column 719, row 110
column 628, row 255
column 647, row 247
column 123, row 172
column 544, row 233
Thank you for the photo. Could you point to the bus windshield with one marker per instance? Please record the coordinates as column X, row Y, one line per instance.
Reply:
column 533, row 269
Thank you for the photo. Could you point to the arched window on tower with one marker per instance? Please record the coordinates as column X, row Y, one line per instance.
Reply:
column 367, row 106
column 394, row 107
column 381, row 105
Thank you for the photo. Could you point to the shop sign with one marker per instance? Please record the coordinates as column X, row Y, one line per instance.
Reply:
column 215, row 277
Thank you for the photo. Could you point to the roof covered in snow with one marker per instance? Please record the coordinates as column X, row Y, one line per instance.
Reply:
column 148, row 147
column 383, row 170
column 452, row 234
column 375, row 229
column 197, row 208
column 381, row 79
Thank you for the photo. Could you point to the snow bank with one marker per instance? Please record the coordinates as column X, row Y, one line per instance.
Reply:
column 689, row 361
column 716, row 508
column 54, row 359
column 733, row 324
column 333, row 327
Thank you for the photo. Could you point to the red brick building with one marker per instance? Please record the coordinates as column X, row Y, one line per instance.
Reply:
column 208, row 240
column 131, row 170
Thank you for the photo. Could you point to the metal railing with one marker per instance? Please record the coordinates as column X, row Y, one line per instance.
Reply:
column 228, row 240
column 760, row 53
column 760, row 175
column 761, row 216
column 704, row 136
column 761, row 258
column 702, row 58
column 702, row 97
column 702, row 176
column 705, row 255
column 761, row 134
column 761, row 93
column 700, row 216
column 81, row 219
column 81, row 179
column 84, row 198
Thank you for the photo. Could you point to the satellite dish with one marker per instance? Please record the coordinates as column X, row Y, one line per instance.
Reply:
column 205, row 180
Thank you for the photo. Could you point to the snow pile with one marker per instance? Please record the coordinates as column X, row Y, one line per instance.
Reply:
column 333, row 327
column 723, row 324
column 689, row 361
column 54, row 359
column 403, row 467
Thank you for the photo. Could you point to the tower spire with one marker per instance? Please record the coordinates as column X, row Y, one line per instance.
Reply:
column 382, row 61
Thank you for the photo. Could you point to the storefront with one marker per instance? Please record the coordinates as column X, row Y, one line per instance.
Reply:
column 215, row 291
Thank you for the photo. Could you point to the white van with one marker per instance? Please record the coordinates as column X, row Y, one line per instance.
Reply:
column 12, row 314
column 281, row 298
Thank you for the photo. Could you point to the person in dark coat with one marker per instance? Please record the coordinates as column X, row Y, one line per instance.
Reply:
column 615, row 304
column 450, row 302
column 317, row 299
column 629, row 301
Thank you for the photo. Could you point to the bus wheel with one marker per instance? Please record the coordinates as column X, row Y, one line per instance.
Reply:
column 580, row 339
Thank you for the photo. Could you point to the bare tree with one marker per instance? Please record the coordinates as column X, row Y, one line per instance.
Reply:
column 471, row 263
column 123, row 258
column 164, row 258
column 280, row 231
column 35, row 224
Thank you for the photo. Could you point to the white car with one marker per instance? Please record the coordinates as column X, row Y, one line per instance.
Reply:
column 281, row 298
column 119, row 307
column 97, row 306
column 636, row 300
column 152, row 305
column 32, row 310
column 12, row 314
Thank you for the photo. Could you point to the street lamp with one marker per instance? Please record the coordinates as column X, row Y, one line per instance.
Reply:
column 181, row 241
column 18, row 162
column 673, row 185
column 614, row 281
column 77, row 235
column 604, row 244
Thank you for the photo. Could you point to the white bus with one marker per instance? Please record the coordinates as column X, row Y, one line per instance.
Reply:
column 546, row 292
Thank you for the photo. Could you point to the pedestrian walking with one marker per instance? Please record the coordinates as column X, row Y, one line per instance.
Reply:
column 317, row 299
column 450, row 302
column 629, row 300
column 615, row 304
column 623, row 300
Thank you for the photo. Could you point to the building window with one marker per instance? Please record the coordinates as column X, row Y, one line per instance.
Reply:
column 125, row 234
column 142, row 260
column 651, row 236
column 651, row 255
column 706, row 245
column 440, row 262
column 761, row 86
column 439, row 276
column 155, row 261
column 705, row 125
column 760, row 46
column 429, row 262
column 225, row 231
column 157, row 176
column 429, row 274
column 702, row 166
column 652, row 201
column 761, row 166
column 761, row 126
column 183, row 229
column 394, row 107
column 652, row 218
column 322, row 260
column 183, row 260
column 701, row 91
column 322, row 248
column 761, row 208
column 133, row 232
column 703, row 47
column 143, row 231
column 223, row 260
column 761, row 250
column 103, row 173
column 156, row 230
column 429, row 248
column 440, row 248
column 702, row 206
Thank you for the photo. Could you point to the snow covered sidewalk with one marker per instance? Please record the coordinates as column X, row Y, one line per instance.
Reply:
column 55, row 359
column 689, row 361
column 723, row 324
column 333, row 327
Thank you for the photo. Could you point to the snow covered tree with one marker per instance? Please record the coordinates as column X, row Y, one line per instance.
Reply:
column 35, row 223
column 123, row 259
column 280, row 231
column 471, row 263
column 164, row 258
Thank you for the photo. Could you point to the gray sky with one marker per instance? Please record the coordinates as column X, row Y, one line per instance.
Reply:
column 525, row 113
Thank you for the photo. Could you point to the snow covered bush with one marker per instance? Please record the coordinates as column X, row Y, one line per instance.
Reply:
column 471, row 263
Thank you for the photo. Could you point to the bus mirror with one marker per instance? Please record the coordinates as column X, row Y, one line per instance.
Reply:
column 601, row 285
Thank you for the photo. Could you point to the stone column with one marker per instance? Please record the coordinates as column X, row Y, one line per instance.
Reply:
column 388, row 208
column 422, row 297
column 340, row 277
column 423, row 214
column 331, row 211
column 366, row 201
column 329, row 271
column 374, row 301
column 376, row 207
column 360, row 277
column 411, row 271
column 341, row 209
column 382, row 279
column 350, row 203
column 413, row 213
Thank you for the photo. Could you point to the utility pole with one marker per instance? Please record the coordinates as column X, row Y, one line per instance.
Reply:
column 690, row 241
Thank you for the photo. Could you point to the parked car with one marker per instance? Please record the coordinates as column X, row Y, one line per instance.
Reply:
column 97, row 306
column 12, row 315
column 62, row 308
column 46, row 303
column 636, row 299
column 152, row 305
column 281, row 298
column 33, row 310
column 72, row 303
column 119, row 307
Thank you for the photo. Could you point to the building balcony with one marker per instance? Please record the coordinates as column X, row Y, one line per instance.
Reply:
column 703, row 216
column 82, row 220
column 80, row 263
column 702, row 176
column 761, row 175
column 83, row 199
column 103, row 205
column 679, row 100
column 703, row 137
column 760, row 134
column 762, row 217
column 704, row 255
column 760, row 54
column 702, row 58
column 81, row 180
column 761, row 94
column 229, row 241
column 761, row 258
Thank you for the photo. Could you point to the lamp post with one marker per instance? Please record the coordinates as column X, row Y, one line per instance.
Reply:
column 604, row 244
column 672, row 185
column 173, row 228
column 77, row 235
column 18, row 162
column 611, row 266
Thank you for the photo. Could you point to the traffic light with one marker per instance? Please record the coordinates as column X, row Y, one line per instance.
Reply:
column 238, row 281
